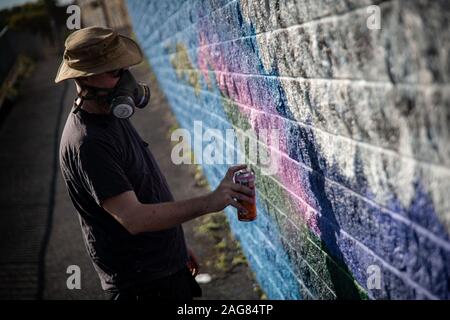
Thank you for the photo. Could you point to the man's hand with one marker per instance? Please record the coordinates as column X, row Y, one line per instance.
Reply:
column 138, row 217
column 192, row 263
column 228, row 193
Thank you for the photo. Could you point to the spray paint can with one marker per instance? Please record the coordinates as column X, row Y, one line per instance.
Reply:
column 246, row 178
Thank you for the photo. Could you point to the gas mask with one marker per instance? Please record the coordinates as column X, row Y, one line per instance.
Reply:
column 123, row 98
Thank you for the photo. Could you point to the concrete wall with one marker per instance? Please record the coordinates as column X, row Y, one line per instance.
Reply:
column 364, row 122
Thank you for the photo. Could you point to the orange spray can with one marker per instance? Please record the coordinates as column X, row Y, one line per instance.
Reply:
column 247, row 178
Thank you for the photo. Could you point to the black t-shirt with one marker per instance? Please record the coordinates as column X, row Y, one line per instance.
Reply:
column 102, row 156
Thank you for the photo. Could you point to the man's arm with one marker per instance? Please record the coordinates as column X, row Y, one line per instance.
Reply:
column 137, row 217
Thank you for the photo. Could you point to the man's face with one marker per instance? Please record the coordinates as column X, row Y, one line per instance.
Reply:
column 105, row 80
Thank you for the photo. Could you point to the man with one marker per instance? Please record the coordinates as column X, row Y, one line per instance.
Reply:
column 130, row 221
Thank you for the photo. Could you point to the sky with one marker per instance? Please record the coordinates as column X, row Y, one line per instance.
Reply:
column 11, row 3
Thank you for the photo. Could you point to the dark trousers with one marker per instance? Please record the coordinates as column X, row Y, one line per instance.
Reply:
column 179, row 286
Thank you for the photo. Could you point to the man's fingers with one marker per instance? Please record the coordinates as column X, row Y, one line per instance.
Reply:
column 233, row 169
column 193, row 263
column 242, row 197
column 193, row 268
column 237, row 205
column 243, row 189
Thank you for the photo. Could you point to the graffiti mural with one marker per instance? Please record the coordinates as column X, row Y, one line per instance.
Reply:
column 363, row 150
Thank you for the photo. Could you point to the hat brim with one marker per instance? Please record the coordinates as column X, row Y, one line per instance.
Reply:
column 132, row 56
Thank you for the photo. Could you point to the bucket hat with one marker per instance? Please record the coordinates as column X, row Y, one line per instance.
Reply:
column 95, row 50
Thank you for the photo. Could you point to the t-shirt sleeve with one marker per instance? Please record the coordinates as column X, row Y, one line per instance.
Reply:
column 102, row 171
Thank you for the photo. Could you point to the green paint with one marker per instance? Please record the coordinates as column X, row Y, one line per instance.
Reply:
column 184, row 68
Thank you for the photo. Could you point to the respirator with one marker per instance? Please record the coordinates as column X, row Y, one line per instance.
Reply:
column 123, row 99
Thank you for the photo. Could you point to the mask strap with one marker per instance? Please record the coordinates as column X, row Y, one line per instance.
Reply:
column 87, row 93
column 78, row 105
column 78, row 102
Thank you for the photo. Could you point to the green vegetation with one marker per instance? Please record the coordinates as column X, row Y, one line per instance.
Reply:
column 9, row 88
